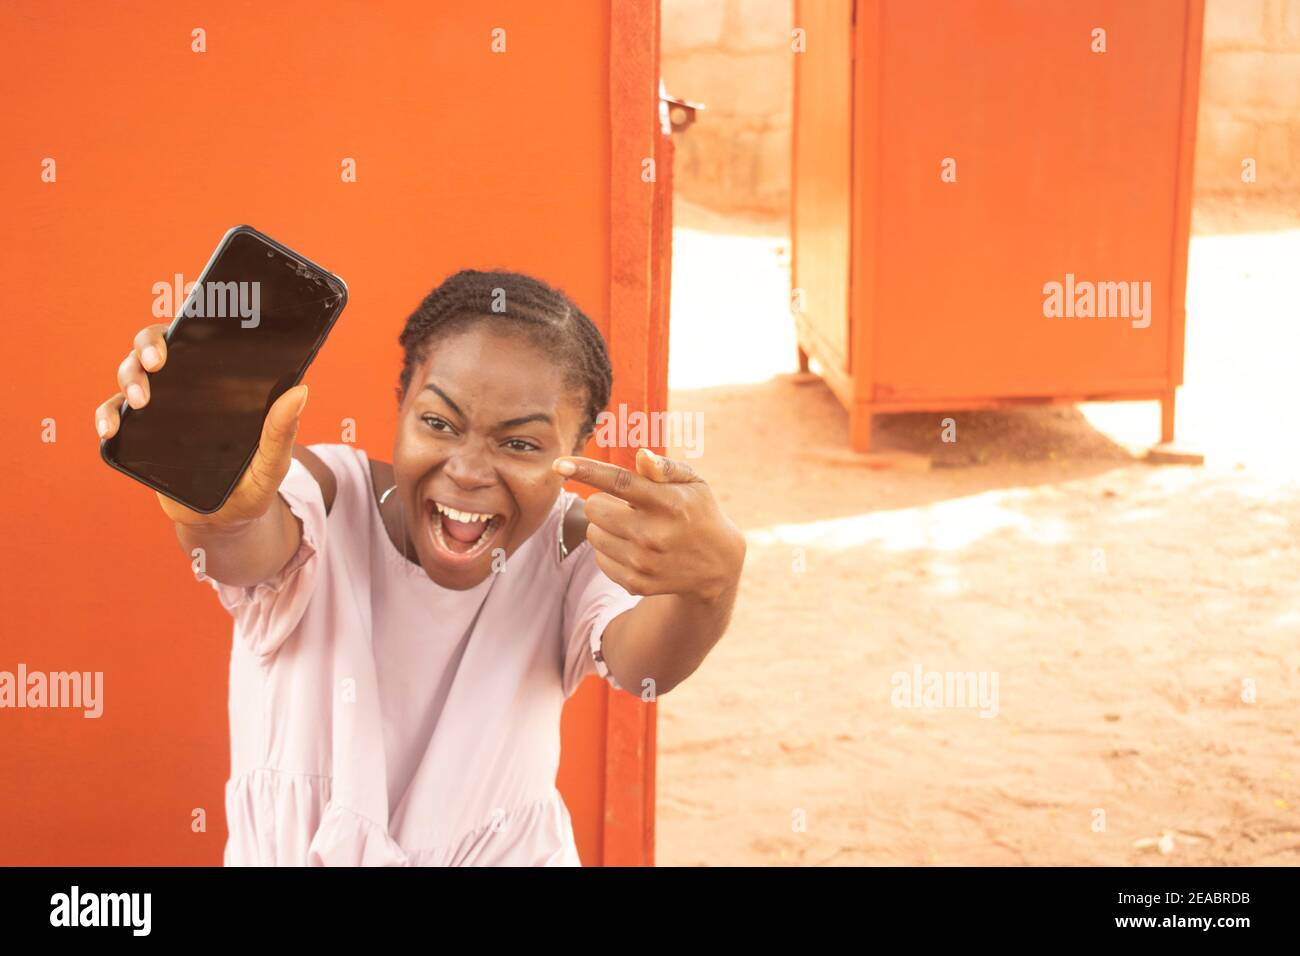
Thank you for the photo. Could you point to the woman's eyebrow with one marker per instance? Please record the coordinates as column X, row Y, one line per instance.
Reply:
column 508, row 423
column 534, row 417
column 445, row 397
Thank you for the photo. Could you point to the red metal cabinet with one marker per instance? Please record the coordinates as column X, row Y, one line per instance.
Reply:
column 953, row 159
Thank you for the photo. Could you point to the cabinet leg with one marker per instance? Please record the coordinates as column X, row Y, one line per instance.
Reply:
column 859, row 428
column 803, row 359
column 1167, row 418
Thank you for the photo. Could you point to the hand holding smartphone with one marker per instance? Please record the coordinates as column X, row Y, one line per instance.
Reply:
column 209, row 406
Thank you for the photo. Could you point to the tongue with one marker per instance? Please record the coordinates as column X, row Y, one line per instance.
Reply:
column 463, row 531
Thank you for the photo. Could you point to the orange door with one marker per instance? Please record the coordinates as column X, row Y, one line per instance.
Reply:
column 465, row 156
column 822, row 194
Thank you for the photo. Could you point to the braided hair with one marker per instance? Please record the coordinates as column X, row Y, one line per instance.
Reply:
column 511, row 300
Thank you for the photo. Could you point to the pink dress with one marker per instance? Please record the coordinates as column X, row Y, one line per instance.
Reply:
column 377, row 718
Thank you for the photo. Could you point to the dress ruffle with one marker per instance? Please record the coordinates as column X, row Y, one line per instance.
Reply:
column 322, row 832
column 346, row 838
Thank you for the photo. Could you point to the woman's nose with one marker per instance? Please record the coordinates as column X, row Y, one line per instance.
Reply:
column 469, row 467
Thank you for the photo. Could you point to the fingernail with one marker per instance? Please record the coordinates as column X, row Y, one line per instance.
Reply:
column 101, row 426
column 135, row 395
column 150, row 356
column 565, row 467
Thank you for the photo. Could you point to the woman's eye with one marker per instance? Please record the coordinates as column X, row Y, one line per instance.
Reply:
column 433, row 421
column 518, row 444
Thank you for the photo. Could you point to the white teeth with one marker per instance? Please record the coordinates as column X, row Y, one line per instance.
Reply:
column 463, row 516
column 486, row 534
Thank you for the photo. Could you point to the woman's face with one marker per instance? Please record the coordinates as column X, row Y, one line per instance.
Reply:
column 479, row 426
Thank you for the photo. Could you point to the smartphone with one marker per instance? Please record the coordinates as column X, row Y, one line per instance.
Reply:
column 249, row 328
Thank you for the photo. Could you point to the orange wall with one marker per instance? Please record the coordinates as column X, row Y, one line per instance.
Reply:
column 465, row 158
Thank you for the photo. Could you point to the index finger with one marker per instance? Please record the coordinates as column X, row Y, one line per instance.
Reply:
column 619, row 482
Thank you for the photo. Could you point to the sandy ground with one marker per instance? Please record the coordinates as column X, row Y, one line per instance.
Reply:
column 1142, row 621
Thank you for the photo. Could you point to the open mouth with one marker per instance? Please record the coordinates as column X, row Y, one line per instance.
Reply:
column 460, row 536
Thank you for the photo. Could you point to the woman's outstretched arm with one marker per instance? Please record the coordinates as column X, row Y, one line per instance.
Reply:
column 660, row 533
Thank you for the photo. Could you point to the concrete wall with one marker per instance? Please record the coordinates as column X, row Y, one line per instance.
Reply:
column 734, row 56
column 1250, row 96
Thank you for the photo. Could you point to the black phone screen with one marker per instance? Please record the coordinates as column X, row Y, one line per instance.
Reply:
column 244, row 336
